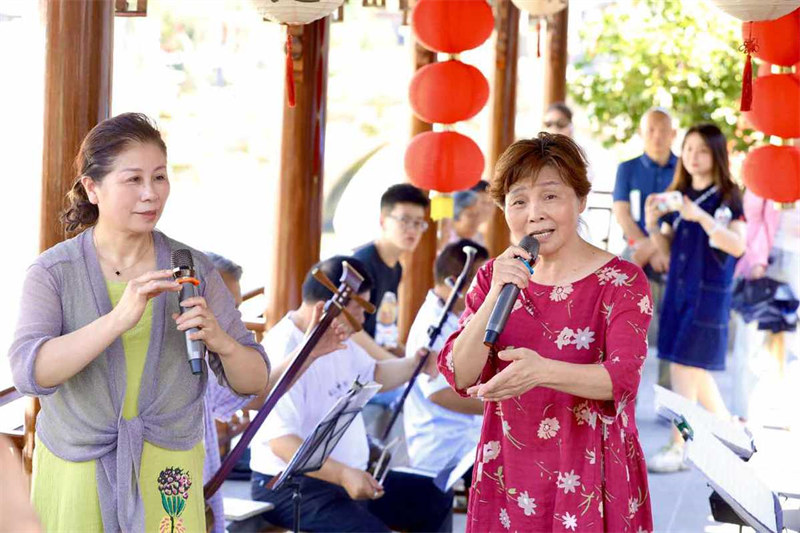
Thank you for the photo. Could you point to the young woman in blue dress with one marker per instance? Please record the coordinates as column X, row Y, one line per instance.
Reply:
column 703, row 238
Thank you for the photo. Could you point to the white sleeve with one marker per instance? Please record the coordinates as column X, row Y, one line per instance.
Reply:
column 287, row 417
column 430, row 386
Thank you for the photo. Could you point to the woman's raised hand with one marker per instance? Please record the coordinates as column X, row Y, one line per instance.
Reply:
column 138, row 292
column 508, row 269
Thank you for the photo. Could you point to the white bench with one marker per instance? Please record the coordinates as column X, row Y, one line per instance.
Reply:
column 238, row 509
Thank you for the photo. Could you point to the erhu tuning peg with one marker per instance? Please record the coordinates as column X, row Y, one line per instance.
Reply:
column 325, row 280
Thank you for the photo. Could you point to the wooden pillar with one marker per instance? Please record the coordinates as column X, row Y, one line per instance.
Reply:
column 556, row 55
column 504, row 107
column 418, row 265
column 299, row 207
column 77, row 88
column 78, row 58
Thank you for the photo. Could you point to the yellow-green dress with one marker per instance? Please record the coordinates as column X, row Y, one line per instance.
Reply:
column 64, row 493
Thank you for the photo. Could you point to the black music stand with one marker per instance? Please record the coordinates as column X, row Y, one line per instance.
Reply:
column 318, row 446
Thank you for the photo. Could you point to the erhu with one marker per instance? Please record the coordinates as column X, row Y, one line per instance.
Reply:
column 380, row 457
column 348, row 289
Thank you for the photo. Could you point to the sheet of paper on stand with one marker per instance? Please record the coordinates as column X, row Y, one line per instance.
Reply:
column 734, row 436
column 318, row 446
column 735, row 481
column 455, row 470
column 771, row 462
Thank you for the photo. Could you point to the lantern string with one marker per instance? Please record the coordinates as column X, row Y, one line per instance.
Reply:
column 538, row 37
column 290, row 96
column 749, row 47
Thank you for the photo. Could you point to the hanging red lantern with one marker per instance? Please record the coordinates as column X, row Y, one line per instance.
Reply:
column 776, row 105
column 452, row 26
column 777, row 41
column 773, row 172
column 448, row 92
column 443, row 161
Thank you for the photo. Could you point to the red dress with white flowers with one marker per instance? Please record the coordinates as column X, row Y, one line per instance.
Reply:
column 551, row 461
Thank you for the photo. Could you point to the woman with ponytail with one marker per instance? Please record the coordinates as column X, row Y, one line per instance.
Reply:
column 101, row 341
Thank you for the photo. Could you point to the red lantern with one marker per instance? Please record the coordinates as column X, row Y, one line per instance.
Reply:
column 773, row 172
column 776, row 105
column 452, row 26
column 448, row 92
column 777, row 41
column 443, row 161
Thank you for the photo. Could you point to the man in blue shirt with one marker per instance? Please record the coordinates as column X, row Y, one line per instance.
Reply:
column 651, row 172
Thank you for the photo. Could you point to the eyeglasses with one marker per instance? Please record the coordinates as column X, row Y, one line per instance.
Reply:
column 410, row 223
column 560, row 124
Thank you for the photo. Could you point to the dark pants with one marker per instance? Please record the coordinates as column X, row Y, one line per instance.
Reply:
column 410, row 503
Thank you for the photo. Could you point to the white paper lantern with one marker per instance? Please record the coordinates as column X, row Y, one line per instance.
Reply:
column 752, row 10
column 540, row 8
column 296, row 11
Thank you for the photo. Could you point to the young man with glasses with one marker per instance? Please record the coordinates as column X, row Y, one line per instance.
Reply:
column 403, row 221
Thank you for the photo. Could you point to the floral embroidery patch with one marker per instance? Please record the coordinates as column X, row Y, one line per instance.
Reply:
column 174, row 485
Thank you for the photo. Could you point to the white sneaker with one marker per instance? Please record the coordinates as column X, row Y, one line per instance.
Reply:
column 668, row 460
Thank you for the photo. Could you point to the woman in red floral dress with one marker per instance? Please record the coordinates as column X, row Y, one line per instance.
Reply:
column 559, row 449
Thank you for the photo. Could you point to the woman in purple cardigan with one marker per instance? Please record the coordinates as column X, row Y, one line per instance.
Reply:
column 101, row 340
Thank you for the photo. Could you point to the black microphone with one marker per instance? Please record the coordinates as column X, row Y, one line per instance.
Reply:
column 508, row 295
column 183, row 272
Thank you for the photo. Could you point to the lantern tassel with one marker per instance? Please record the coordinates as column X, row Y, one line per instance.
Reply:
column 748, row 47
column 290, row 96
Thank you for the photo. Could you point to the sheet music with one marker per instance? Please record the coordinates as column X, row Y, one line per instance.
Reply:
column 733, row 479
column 318, row 446
column 457, row 467
column 671, row 405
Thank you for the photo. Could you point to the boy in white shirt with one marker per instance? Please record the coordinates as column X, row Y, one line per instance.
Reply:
column 440, row 425
column 341, row 496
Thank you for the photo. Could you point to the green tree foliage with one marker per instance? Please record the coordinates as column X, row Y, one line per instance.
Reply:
column 680, row 54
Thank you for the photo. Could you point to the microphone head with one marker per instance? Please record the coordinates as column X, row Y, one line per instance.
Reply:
column 530, row 244
column 182, row 260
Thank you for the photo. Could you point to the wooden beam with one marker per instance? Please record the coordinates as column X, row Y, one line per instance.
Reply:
column 504, row 107
column 77, row 87
column 556, row 55
column 299, row 211
column 418, row 265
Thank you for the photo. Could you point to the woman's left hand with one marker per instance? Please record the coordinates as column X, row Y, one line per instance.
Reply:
column 525, row 372
column 691, row 212
column 209, row 331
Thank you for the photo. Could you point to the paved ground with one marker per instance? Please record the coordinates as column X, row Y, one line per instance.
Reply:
column 680, row 501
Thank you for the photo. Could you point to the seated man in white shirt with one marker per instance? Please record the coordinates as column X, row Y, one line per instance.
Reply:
column 341, row 496
column 440, row 425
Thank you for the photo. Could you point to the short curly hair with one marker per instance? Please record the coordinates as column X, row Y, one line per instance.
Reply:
column 526, row 158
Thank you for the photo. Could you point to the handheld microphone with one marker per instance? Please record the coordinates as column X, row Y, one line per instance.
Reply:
column 508, row 295
column 183, row 272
